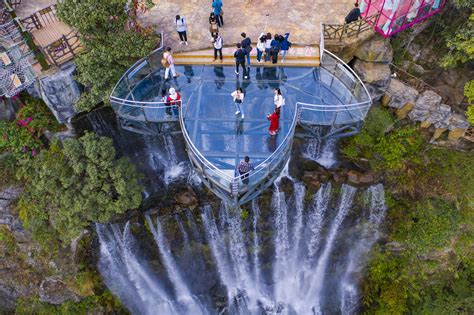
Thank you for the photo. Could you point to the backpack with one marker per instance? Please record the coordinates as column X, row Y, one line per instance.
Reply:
column 165, row 63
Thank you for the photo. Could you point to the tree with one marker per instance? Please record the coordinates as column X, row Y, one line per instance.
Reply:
column 111, row 44
column 72, row 185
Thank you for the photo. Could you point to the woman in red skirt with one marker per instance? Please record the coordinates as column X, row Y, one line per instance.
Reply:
column 274, row 122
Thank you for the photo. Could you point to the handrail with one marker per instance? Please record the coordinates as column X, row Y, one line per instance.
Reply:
column 132, row 103
column 350, row 69
column 136, row 63
column 209, row 168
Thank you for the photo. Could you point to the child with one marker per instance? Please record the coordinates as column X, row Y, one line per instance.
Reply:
column 274, row 122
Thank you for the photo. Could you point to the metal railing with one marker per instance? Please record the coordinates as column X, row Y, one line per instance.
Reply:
column 353, row 29
column 62, row 48
column 40, row 19
column 353, row 108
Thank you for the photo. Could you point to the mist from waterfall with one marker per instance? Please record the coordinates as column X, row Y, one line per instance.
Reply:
column 249, row 261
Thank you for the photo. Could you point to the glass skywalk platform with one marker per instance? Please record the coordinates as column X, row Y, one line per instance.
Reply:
column 216, row 139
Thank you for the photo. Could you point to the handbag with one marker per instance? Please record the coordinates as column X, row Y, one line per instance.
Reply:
column 221, row 12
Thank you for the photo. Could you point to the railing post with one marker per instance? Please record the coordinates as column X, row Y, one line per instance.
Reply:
column 30, row 42
column 359, row 22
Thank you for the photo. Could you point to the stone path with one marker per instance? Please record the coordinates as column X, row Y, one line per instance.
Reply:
column 299, row 17
column 28, row 7
column 298, row 56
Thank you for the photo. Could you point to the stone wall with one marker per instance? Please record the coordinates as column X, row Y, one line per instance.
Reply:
column 59, row 91
column 426, row 108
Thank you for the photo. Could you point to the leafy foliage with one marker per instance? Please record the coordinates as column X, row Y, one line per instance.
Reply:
column 24, row 136
column 110, row 45
column 425, row 267
column 105, row 303
column 385, row 149
column 469, row 93
column 461, row 45
column 71, row 186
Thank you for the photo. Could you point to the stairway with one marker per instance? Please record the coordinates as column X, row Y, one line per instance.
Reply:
column 298, row 56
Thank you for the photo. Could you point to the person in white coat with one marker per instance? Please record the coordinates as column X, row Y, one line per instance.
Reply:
column 238, row 96
column 278, row 100
column 181, row 27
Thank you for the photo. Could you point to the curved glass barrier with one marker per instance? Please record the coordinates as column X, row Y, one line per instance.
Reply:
column 216, row 140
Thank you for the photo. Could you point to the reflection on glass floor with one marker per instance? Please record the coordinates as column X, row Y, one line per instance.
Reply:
column 217, row 139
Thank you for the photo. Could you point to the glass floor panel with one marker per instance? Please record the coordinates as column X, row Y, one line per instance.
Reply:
column 209, row 112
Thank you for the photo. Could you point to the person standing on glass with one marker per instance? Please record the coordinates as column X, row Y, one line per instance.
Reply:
column 274, row 122
column 173, row 101
column 238, row 96
column 278, row 100
column 217, row 42
column 239, row 55
column 262, row 40
column 247, row 46
column 168, row 63
column 217, row 6
column 181, row 28
column 244, row 169
column 285, row 45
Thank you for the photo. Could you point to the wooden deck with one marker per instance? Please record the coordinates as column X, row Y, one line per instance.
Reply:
column 58, row 42
column 50, row 33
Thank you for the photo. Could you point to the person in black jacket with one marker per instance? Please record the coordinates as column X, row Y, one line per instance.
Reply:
column 239, row 55
column 354, row 15
column 246, row 45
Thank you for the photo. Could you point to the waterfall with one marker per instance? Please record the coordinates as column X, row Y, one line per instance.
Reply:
column 256, row 242
column 182, row 230
column 192, row 223
column 318, row 209
column 345, row 203
column 349, row 298
column 174, row 274
column 281, row 241
column 300, row 191
column 275, row 261
column 322, row 151
column 218, row 251
column 174, row 168
column 127, row 276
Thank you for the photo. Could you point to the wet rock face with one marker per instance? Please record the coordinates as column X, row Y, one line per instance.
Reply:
column 400, row 94
column 7, row 111
column 8, row 219
column 377, row 49
column 54, row 291
column 59, row 91
column 373, row 73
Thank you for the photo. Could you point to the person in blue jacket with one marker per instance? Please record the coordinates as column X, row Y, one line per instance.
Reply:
column 217, row 6
column 285, row 45
column 276, row 47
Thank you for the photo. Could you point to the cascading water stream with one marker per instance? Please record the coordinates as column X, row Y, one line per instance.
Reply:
column 318, row 208
column 218, row 250
column 174, row 274
column 256, row 243
column 314, row 292
column 278, row 266
column 281, row 241
column 349, row 299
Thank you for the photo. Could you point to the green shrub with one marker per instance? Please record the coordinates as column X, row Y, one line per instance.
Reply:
column 81, row 182
column 25, row 135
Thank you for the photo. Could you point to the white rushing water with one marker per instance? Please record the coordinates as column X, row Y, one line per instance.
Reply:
column 278, row 262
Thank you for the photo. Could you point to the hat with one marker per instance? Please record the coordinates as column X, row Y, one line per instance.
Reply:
column 172, row 91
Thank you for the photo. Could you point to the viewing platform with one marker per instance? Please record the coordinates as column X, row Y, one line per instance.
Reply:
column 330, row 96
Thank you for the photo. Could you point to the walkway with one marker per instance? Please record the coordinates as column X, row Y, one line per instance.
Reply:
column 294, row 16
